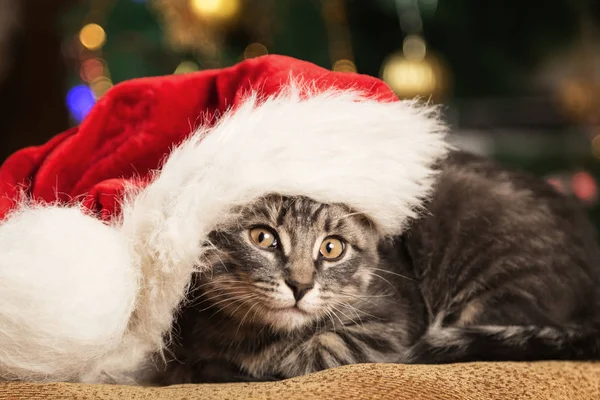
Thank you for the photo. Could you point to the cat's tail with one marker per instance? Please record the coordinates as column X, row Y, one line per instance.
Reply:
column 442, row 345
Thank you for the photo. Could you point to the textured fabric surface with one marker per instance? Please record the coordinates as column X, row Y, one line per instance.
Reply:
column 476, row 381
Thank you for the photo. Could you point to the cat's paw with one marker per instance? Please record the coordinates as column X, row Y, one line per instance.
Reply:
column 322, row 351
column 330, row 351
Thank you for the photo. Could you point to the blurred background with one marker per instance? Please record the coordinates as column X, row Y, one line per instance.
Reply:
column 519, row 80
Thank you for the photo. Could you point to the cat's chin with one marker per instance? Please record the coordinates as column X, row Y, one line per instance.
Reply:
column 288, row 318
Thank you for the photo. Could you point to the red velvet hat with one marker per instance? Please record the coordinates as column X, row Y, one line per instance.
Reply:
column 113, row 214
column 131, row 130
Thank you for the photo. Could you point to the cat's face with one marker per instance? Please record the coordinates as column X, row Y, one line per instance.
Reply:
column 289, row 262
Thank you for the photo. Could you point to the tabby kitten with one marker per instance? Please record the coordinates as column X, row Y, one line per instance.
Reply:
column 499, row 267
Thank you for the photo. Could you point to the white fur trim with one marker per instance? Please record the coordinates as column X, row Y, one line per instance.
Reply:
column 67, row 291
column 333, row 147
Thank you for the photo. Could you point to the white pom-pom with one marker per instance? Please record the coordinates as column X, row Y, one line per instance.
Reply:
column 67, row 291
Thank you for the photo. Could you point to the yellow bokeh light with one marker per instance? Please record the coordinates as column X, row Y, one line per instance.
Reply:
column 220, row 10
column 344, row 66
column 409, row 78
column 92, row 36
column 577, row 98
column 186, row 67
column 100, row 86
column 255, row 50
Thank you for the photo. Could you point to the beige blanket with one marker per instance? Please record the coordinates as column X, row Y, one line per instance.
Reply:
column 542, row 380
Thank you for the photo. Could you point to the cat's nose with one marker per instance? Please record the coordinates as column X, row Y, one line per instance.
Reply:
column 299, row 288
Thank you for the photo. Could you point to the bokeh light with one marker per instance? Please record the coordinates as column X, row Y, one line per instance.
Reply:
column 409, row 78
column 92, row 69
column 92, row 36
column 100, row 86
column 414, row 48
column 344, row 66
column 215, row 10
column 584, row 187
column 414, row 77
column 186, row 67
column 255, row 50
column 578, row 97
column 80, row 100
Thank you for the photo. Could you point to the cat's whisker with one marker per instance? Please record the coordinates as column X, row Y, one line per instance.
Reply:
column 244, row 318
column 216, row 252
column 345, row 315
column 318, row 325
column 383, row 279
column 365, row 296
column 261, row 307
column 219, row 294
column 362, row 298
column 337, row 316
column 202, row 298
column 250, row 297
column 226, row 285
column 330, row 315
column 215, row 281
column 243, row 300
column 221, row 283
column 224, row 306
column 209, row 290
column 208, row 273
column 343, row 324
column 208, row 243
column 214, row 294
column 362, row 312
column 392, row 273
column 264, row 327
column 219, row 302
column 196, row 288
column 351, row 308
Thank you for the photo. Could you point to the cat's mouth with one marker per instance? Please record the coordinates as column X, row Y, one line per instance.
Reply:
column 293, row 309
column 289, row 318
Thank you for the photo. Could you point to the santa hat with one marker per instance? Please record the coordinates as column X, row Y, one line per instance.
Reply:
column 105, row 224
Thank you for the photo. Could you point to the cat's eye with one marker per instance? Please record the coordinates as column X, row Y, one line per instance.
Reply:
column 263, row 237
column 332, row 248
